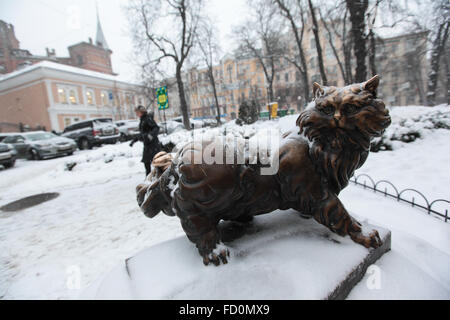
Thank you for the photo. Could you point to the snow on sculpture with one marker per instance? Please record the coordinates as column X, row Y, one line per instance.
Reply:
column 313, row 164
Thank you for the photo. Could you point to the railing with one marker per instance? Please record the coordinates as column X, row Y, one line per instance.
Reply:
column 363, row 179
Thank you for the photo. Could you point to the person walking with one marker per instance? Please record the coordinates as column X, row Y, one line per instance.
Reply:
column 148, row 130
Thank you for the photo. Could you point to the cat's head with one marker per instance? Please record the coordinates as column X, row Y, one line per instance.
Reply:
column 351, row 114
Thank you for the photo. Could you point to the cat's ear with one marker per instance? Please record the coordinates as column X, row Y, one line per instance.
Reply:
column 317, row 90
column 371, row 85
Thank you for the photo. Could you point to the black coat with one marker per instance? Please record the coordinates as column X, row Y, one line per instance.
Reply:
column 149, row 136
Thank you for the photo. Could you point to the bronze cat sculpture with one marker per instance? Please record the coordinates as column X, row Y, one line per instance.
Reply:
column 315, row 164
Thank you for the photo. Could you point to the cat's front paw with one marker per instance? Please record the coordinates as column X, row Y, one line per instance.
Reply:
column 221, row 254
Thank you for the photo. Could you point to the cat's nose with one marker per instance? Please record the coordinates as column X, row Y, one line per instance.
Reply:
column 337, row 115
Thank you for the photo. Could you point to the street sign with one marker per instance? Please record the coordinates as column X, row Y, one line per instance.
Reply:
column 162, row 98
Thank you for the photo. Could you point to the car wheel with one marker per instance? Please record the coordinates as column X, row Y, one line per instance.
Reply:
column 70, row 153
column 34, row 155
column 122, row 137
column 84, row 144
column 9, row 165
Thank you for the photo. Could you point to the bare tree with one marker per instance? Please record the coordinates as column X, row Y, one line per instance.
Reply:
column 294, row 13
column 357, row 10
column 331, row 33
column 261, row 37
column 335, row 21
column 316, row 32
column 149, row 21
column 209, row 48
column 439, row 46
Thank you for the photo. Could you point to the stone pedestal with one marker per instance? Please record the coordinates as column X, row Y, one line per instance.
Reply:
column 281, row 256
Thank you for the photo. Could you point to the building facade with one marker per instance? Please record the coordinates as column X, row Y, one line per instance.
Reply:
column 53, row 96
column 86, row 55
column 401, row 62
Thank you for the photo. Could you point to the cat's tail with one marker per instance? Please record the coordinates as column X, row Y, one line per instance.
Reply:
column 155, row 194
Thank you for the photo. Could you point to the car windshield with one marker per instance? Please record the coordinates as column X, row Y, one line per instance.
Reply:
column 102, row 122
column 40, row 136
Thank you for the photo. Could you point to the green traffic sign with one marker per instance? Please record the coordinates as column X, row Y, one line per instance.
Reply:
column 162, row 98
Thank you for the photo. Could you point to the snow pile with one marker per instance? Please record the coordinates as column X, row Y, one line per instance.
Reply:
column 410, row 123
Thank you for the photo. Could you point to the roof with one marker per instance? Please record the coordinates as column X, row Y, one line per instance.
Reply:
column 100, row 39
column 65, row 68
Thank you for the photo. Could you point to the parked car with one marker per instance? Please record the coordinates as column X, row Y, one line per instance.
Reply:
column 171, row 126
column 3, row 135
column 194, row 123
column 128, row 129
column 37, row 145
column 93, row 132
column 7, row 155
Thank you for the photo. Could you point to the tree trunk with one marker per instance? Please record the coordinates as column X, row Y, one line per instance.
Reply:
column 372, row 53
column 438, row 47
column 357, row 9
column 347, row 50
column 333, row 47
column 213, row 84
column 298, row 41
column 447, row 71
column 270, row 90
column 318, row 46
column 183, row 103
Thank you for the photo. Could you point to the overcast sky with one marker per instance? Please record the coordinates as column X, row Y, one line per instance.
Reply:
column 60, row 23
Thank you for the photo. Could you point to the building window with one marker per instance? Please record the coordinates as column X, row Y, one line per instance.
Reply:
column 329, row 53
column 72, row 97
column 286, row 77
column 312, row 43
column 70, row 120
column 79, row 60
column 312, row 62
column 90, row 97
column 67, row 94
column 104, row 98
column 62, row 97
column 128, row 99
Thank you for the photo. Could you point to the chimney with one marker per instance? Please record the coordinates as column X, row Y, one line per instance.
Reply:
column 50, row 52
column 90, row 40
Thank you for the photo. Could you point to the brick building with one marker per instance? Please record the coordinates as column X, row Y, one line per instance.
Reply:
column 53, row 92
column 53, row 95
column 87, row 55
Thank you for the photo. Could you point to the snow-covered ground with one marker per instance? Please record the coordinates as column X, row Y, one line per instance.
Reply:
column 95, row 223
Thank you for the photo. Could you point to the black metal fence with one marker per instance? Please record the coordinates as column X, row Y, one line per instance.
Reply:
column 363, row 179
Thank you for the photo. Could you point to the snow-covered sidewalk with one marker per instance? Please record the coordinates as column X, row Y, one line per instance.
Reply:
column 95, row 223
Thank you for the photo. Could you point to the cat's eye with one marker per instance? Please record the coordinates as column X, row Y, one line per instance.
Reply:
column 350, row 108
column 328, row 110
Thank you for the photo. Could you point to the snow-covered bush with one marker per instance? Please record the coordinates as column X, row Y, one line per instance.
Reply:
column 411, row 123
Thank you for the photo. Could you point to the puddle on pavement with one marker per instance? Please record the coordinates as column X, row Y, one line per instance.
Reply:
column 28, row 202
